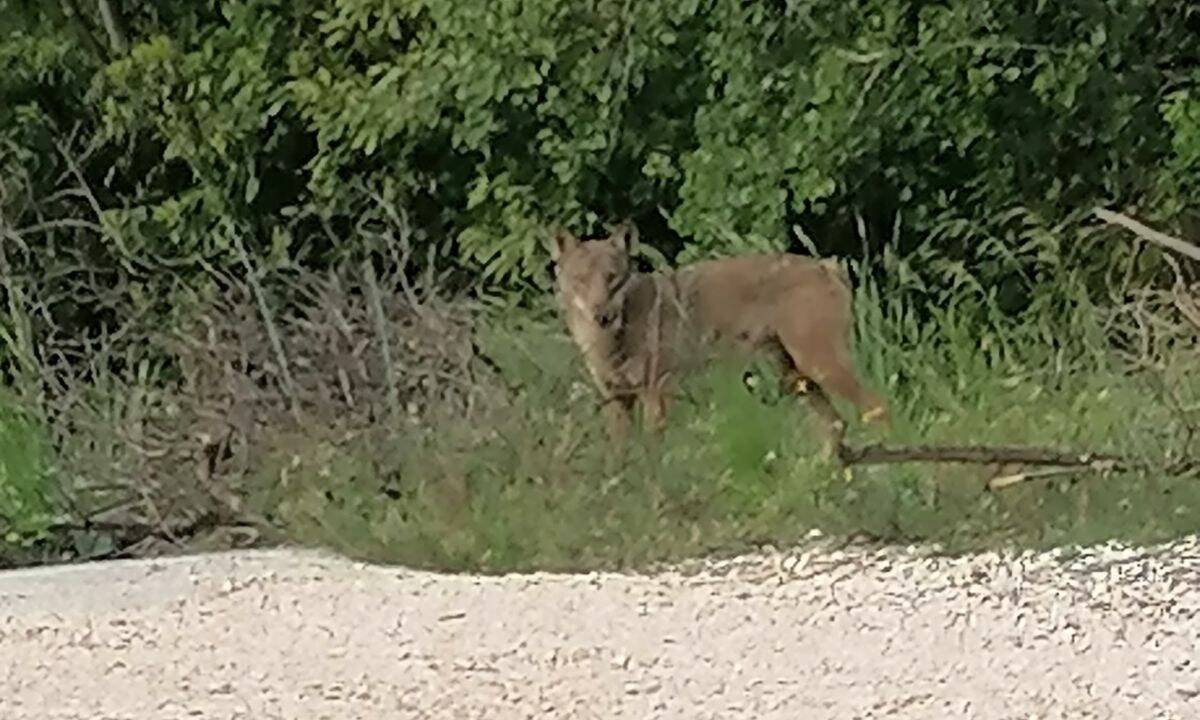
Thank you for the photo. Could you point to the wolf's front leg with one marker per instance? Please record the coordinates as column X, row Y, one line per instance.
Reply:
column 654, row 408
column 618, row 412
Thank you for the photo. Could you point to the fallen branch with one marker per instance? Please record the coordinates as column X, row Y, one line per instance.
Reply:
column 1183, row 248
column 127, row 533
column 1054, row 462
column 1003, row 481
column 979, row 455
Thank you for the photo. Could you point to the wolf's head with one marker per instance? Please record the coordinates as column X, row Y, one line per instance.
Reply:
column 591, row 275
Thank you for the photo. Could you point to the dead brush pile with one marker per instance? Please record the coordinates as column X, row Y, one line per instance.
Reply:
column 161, row 432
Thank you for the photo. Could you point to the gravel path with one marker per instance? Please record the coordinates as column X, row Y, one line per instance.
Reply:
column 814, row 633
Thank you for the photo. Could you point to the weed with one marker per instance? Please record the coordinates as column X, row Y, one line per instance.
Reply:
column 27, row 507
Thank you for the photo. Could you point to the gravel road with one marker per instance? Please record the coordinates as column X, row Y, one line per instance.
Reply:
column 808, row 633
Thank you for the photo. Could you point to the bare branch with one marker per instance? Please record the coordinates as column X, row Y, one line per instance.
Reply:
column 978, row 454
column 384, row 338
column 1162, row 239
column 76, row 170
column 110, row 14
column 70, row 12
column 1003, row 481
column 1012, row 455
column 60, row 224
column 268, row 318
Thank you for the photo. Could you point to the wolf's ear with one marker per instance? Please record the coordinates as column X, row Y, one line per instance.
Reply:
column 625, row 237
column 562, row 243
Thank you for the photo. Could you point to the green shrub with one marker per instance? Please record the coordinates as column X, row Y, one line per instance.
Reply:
column 720, row 125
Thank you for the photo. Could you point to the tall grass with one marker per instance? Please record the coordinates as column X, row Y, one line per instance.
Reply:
column 419, row 456
column 533, row 485
column 27, row 500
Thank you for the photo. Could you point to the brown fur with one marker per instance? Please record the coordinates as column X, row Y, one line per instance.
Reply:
column 638, row 332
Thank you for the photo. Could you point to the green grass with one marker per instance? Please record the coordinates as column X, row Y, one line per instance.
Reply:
column 26, row 506
column 534, row 485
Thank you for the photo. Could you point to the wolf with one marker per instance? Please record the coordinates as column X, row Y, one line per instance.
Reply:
column 640, row 333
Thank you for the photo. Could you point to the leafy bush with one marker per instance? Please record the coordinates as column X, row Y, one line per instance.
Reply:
column 719, row 124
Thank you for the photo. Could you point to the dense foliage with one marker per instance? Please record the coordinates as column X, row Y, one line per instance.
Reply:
column 971, row 133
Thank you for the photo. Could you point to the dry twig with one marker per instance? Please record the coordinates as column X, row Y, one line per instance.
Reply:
column 1056, row 462
column 978, row 454
column 383, row 337
column 260, row 297
column 1004, row 481
column 1146, row 233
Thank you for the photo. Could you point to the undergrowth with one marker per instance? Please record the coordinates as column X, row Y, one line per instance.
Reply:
column 535, row 485
column 475, row 442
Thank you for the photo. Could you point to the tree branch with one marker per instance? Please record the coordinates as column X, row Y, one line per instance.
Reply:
column 69, row 12
column 978, row 454
column 1162, row 239
column 110, row 14
column 1056, row 462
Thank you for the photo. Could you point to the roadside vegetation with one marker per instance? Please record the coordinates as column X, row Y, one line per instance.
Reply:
column 276, row 272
